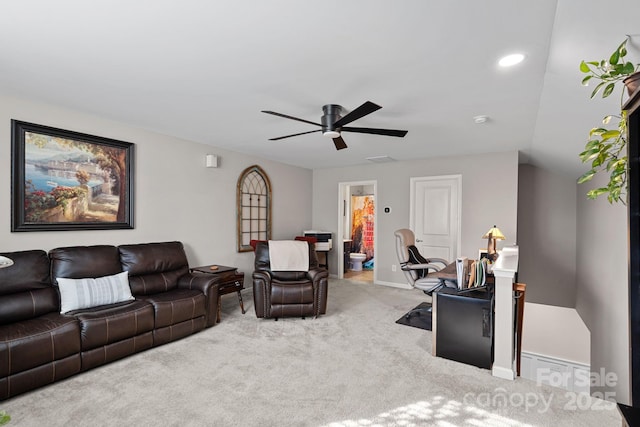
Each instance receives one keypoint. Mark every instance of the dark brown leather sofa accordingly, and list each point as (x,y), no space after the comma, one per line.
(288,293)
(38,345)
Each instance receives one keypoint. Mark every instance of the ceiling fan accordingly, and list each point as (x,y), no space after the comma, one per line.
(332,123)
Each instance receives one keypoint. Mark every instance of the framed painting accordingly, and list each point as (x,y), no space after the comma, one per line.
(64,180)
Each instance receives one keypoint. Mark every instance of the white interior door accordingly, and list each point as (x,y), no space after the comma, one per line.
(435,215)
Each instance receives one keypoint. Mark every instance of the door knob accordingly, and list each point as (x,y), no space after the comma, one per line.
(418,240)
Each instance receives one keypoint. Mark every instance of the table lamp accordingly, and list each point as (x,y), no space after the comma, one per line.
(492,235)
(5,262)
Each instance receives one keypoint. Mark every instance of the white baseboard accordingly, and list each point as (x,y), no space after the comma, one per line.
(393,284)
(565,374)
(504,373)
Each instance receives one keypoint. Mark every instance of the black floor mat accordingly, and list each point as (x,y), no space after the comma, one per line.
(420,320)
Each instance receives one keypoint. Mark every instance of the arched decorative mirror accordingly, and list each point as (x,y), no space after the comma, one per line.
(253,207)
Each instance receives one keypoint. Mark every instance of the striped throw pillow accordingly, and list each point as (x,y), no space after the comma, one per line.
(76,294)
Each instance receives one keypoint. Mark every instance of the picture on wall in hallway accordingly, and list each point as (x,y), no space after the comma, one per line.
(362,222)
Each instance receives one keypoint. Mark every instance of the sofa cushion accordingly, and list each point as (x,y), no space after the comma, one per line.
(25,287)
(177,305)
(108,324)
(89,292)
(291,292)
(77,262)
(37,341)
(153,267)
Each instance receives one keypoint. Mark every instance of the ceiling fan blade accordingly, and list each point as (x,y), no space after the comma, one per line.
(366,108)
(291,117)
(295,134)
(339,143)
(387,132)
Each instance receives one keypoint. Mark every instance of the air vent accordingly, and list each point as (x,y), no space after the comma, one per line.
(380,159)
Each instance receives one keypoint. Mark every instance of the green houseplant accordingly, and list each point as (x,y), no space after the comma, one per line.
(606,148)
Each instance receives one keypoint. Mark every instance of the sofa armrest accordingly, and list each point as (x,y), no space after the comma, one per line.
(208,285)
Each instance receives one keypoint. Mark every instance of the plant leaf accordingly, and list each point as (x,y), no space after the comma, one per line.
(592,194)
(597,131)
(597,88)
(584,67)
(622,49)
(587,176)
(587,155)
(610,134)
(585,81)
(627,69)
(615,56)
(591,144)
(607,90)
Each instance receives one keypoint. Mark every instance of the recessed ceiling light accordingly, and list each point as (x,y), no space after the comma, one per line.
(480,119)
(511,60)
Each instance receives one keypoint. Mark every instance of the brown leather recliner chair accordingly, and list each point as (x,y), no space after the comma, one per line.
(288,293)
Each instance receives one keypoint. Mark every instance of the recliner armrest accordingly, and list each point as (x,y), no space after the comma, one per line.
(317,274)
(262,275)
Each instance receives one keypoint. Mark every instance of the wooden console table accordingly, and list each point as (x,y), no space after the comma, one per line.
(230,281)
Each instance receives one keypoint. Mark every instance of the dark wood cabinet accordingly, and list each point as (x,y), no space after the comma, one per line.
(632,106)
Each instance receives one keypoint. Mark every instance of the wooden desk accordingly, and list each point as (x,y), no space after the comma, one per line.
(230,281)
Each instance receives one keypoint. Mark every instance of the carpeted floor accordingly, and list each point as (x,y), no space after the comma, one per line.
(353,367)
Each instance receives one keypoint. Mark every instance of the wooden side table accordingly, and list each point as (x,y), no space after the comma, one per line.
(230,281)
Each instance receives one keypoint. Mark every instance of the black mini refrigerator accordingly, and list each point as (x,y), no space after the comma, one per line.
(463,327)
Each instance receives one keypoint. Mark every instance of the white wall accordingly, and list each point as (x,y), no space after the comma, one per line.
(176,197)
(602,286)
(547,236)
(489,196)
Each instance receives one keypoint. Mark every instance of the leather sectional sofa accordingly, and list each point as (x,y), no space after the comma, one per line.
(39,345)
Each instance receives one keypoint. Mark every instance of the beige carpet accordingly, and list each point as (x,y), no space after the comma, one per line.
(353,367)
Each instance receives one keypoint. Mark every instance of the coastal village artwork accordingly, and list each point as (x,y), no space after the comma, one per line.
(71,181)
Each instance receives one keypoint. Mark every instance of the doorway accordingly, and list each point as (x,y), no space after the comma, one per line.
(357,230)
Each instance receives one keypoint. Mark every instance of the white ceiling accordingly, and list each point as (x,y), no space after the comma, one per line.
(203,70)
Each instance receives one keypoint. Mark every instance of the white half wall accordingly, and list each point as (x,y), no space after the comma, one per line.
(176,196)
(546,330)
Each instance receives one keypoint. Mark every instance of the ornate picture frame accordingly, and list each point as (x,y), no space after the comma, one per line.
(64,180)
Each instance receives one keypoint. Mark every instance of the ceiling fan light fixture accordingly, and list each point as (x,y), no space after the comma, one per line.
(331,134)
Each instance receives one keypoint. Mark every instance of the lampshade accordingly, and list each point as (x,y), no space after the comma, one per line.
(494,233)
(5,262)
